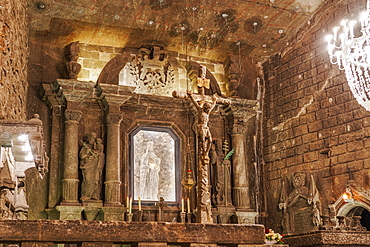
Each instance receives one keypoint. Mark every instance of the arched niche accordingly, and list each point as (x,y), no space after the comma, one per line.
(154,164)
(355,201)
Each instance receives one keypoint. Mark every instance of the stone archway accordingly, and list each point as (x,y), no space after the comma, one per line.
(357,210)
(354,202)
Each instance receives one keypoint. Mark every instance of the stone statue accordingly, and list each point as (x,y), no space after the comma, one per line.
(301,206)
(92,164)
(71,54)
(150,166)
(216,159)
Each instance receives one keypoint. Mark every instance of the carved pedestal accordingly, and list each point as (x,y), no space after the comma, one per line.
(112,214)
(67,212)
(246,217)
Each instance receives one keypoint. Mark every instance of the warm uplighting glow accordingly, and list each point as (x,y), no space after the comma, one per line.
(23,138)
(352,54)
(347,196)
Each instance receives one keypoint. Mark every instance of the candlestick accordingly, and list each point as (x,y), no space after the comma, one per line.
(129,217)
(139,203)
(140,216)
(188,201)
(182,216)
(182,205)
(189,217)
(130,207)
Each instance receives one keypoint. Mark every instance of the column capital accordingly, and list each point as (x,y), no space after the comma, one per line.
(238,129)
(73,115)
(114,118)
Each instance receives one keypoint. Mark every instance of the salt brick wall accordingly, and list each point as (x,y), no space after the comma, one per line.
(13,60)
(309,110)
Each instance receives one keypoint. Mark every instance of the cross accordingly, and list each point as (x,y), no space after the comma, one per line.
(204,104)
(160,206)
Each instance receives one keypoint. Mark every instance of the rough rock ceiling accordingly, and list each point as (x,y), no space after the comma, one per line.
(208,28)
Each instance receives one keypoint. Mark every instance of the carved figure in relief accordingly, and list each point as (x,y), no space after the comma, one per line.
(71,52)
(150,166)
(289,201)
(92,164)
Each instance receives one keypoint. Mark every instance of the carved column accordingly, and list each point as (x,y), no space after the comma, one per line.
(241,187)
(70,173)
(113,176)
(242,131)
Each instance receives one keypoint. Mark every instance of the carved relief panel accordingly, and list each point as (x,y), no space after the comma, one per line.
(150,72)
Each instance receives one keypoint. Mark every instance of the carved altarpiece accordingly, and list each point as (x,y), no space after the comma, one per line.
(111,110)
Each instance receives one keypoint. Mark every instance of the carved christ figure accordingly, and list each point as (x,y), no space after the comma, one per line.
(204,109)
(204,105)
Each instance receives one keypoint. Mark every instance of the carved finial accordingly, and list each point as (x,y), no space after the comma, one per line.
(71,52)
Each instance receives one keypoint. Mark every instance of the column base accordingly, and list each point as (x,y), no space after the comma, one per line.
(246,217)
(112,189)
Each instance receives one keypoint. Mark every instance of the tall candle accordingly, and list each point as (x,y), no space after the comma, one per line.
(130,208)
(182,205)
(127,202)
(139,203)
(188,201)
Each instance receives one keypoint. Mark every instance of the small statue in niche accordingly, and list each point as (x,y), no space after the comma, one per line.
(92,164)
(150,166)
(71,52)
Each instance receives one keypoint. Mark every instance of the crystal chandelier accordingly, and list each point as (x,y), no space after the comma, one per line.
(352,54)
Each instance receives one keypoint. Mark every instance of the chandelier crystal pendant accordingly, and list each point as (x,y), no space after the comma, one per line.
(352,54)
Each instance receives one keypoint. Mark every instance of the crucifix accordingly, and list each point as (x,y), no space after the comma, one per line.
(204,105)
(160,204)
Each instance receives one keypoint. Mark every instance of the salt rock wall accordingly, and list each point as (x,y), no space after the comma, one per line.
(13,60)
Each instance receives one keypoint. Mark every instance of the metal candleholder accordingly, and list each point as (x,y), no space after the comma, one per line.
(140,216)
(189,217)
(129,217)
(183,216)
